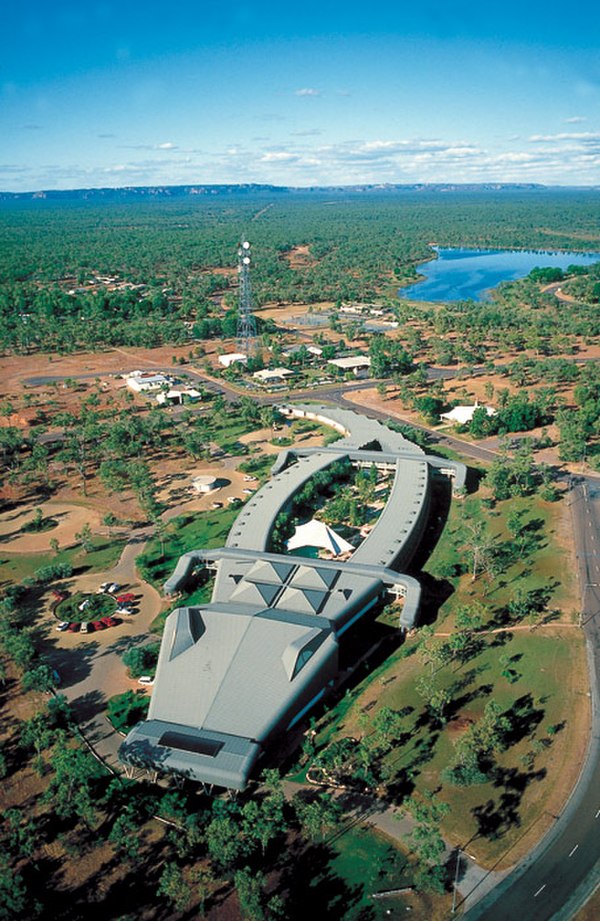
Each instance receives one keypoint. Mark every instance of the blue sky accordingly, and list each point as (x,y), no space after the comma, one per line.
(108,94)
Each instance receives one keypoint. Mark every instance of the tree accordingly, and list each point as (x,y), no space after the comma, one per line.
(427,840)
(479,547)
(85,538)
(40,678)
(225,844)
(20,834)
(316,815)
(141,660)
(250,889)
(14,898)
(71,787)
(173,886)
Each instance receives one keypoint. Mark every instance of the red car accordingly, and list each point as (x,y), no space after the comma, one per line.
(98,625)
(73,628)
(127,598)
(58,596)
(110,621)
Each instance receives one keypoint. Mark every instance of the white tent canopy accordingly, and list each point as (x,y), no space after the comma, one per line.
(317,534)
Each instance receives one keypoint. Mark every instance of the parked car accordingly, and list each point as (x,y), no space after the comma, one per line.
(113,587)
(58,596)
(73,628)
(85,626)
(124,611)
(98,625)
(84,604)
(217,505)
(109,621)
(63,625)
(127,598)
(104,588)
(249,479)
(248,492)
(146,679)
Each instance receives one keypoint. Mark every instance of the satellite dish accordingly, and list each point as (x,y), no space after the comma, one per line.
(245,245)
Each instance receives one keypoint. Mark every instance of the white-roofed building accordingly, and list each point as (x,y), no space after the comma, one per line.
(355,363)
(142,382)
(232,358)
(462,415)
(272,374)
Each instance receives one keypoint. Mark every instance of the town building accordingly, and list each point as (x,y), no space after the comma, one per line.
(462,415)
(231,359)
(237,673)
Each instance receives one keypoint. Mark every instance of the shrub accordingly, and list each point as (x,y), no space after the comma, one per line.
(125,710)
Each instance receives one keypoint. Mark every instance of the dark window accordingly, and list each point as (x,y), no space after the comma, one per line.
(194,744)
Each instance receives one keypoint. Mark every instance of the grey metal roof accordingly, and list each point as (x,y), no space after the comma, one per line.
(240,669)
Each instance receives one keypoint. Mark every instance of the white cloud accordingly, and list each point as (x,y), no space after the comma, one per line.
(167,145)
(565,136)
(307,91)
(278,156)
(575,120)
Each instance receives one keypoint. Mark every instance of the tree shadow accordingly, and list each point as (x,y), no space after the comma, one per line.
(89,705)
(73,665)
(495,819)
(313,888)
(524,717)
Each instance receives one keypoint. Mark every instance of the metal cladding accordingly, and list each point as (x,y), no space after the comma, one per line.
(236,672)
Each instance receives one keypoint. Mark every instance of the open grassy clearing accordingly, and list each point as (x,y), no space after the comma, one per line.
(368,863)
(104,555)
(531,665)
(186,532)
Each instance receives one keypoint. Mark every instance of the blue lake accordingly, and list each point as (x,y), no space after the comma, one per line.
(461,274)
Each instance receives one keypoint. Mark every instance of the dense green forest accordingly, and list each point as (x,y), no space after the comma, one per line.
(360,248)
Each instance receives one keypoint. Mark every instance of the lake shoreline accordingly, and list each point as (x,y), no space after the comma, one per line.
(461,273)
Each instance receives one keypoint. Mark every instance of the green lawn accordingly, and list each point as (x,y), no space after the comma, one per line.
(186,532)
(367,863)
(544,694)
(105,554)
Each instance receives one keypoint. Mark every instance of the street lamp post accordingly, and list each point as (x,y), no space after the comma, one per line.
(585,589)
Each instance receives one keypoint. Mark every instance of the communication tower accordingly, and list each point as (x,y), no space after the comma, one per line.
(246,330)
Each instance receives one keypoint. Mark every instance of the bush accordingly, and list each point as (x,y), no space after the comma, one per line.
(141,660)
(126,710)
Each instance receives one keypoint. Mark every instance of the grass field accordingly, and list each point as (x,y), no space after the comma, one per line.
(186,532)
(535,673)
(105,554)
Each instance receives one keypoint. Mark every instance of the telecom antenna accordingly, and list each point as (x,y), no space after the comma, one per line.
(246,330)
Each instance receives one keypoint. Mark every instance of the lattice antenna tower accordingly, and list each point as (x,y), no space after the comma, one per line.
(246,330)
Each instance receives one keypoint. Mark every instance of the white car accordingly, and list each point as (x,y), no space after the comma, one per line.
(62,625)
(249,479)
(85,626)
(248,492)
(146,679)
(103,588)
(113,587)
(84,604)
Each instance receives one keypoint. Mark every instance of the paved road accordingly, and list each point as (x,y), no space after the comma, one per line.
(561,873)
